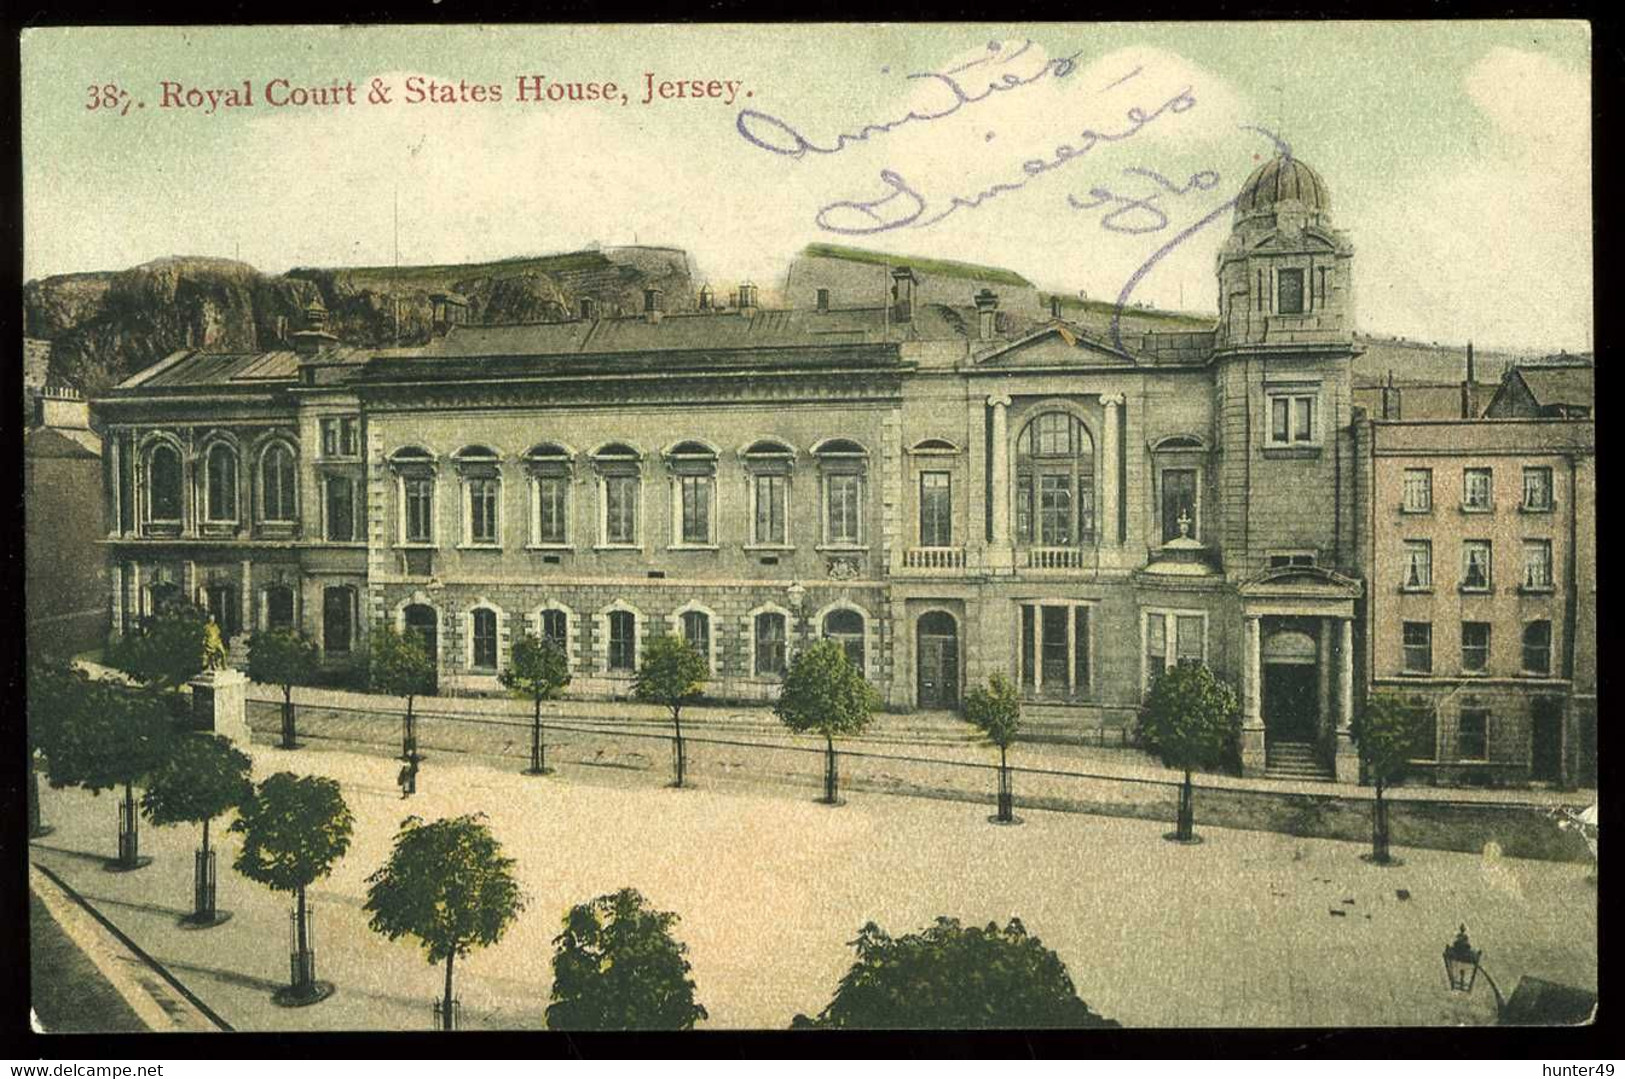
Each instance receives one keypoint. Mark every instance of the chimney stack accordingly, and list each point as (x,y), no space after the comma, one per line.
(747,300)
(1467,387)
(987,313)
(446,309)
(707,298)
(823,301)
(314,338)
(903,286)
(1055,308)
(589,309)
(651,305)
(62,407)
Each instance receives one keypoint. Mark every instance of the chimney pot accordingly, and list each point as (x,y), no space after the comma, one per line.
(904,284)
(747,300)
(707,298)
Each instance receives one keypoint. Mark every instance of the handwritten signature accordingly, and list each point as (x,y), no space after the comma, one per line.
(776,136)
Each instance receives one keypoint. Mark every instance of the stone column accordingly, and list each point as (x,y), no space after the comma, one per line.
(1252,694)
(115,440)
(1109,493)
(1323,672)
(137,597)
(1346,759)
(117,578)
(1071,650)
(247,598)
(999,466)
(189,581)
(1038,649)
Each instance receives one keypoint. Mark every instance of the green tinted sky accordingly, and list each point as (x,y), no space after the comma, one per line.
(1458,154)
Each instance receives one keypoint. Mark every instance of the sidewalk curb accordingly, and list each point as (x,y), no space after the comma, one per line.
(155,995)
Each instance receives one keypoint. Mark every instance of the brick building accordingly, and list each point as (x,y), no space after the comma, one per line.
(950,488)
(64,568)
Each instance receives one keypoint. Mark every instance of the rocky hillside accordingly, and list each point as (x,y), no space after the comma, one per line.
(104,327)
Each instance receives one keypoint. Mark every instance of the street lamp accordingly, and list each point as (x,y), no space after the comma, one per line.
(1462,968)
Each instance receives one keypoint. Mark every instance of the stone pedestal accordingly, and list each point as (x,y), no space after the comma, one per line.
(1346,759)
(220,704)
(1252,750)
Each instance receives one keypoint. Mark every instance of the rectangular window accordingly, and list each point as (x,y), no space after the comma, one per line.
(337,616)
(696,492)
(330,438)
(1024,508)
(482,510)
(1537,565)
(1473,735)
(552,498)
(1054,510)
(1476,484)
(1537,489)
(1475,646)
(1156,644)
(1418,566)
(936,510)
(1418,648)
(1426,745)
(621,509)
(1537,648)
(1189,633)
(622,641)
(1178,503)
(770,641)
(1291,559)
(340,517)
(770,498)
(349,443)
(1475,565)
(1291,289)
(844,502)
(485,640)
(1418,490)
(1292,419)
(419,509)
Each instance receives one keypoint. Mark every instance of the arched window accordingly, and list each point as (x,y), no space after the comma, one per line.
(220,483)
(620,493)
(164,484)
(843,465)
(555,627)
(771,640)
(483,643)
(481,472)
(277,484)
(1055,482)
(623,641)
(550,475)
(769,463)
(279,607)
(414,470)
(693,467)
(846,626)
(338,619)
(697,632)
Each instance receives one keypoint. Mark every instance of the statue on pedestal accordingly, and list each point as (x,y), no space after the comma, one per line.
(214,648)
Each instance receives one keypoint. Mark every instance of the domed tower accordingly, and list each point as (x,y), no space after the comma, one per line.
(1284,273)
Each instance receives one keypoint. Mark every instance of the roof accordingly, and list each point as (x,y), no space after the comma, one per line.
(61,443)
(1569,385)
(1280,178)
(198,367)
(942,267)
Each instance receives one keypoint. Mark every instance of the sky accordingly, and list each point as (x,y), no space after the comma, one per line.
(1092,158)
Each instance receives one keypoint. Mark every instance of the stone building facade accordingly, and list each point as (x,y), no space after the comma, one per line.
(950,488)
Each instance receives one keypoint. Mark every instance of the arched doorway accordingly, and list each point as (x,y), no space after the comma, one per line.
(1291,686)
(937,660)
(422,620)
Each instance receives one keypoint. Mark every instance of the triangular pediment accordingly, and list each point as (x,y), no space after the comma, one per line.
(1058,344)
(1307,240)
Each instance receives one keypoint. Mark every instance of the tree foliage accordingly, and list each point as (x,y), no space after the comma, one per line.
(995,709)
(448,884)
(1386,732)
(1191,719)
(105,735)
(617,967)
(538,669)
(202,777)
(823,693)
(951,977)
(281,657)
(165,652)
(294,828)
(398,663)
(57,696)
(673,673)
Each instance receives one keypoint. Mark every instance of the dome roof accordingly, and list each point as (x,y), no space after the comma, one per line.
(1279,179)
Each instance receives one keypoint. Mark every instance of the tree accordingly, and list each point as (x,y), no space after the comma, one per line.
(167,651)
(203,776)
(996,709)
(57,694)
(538,669)
(1386,732)
(823,693)
(294,828)
(1190,720)
(112,736)
(282,657)
(449,885)
(616,967)
(950,977)
(672,675)
(398,664)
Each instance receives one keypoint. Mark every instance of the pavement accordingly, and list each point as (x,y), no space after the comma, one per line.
(1245,929)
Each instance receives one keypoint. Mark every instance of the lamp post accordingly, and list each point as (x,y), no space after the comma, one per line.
(1462,968)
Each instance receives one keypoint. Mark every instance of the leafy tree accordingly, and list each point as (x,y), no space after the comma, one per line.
(449,885)
(616,967)
(1192,720)
(538,669)
(996,709)
(166,652)
(282,657)
(57,696)
(1386,732)
(950,977)
(201,778)
(294,828)
(112,736)
(672,675)
(823,693)
(400,665)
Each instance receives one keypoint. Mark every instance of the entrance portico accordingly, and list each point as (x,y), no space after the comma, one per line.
(1298,671)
